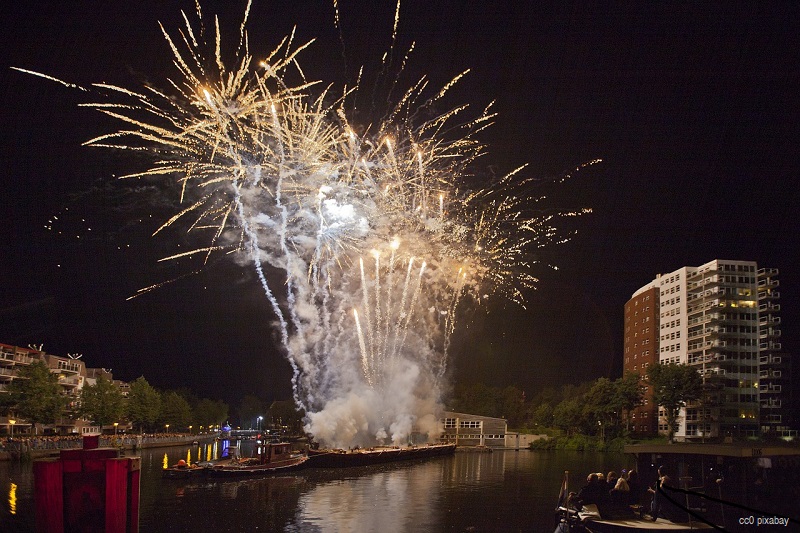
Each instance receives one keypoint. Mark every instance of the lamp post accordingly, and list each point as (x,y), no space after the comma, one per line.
(12,422)
(167,428)
(258,426)
(115,428)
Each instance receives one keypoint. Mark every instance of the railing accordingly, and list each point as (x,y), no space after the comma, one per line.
(39,443)
(776,346)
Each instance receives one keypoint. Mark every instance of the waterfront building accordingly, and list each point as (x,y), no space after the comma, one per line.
(73,375)
(721,318)
(464,429)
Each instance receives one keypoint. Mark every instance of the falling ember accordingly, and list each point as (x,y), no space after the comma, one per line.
(275,174)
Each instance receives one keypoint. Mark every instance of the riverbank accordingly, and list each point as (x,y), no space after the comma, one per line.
(30,448)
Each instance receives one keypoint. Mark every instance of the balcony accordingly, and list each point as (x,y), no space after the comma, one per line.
(69,382)
(771,404)
(65,367)
(769,320)
(703,319)
(771,346)
(767,282)
(768,388)
(768,294)
(769,360)
(762,272)
(768,307)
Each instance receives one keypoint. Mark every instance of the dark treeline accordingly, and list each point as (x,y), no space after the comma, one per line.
(592,408)
(597,409)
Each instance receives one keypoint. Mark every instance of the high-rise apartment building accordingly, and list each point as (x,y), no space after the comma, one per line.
(721,318)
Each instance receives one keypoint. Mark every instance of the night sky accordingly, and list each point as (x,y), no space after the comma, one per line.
(694,108)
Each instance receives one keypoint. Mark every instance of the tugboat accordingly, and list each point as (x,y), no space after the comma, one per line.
(274,457)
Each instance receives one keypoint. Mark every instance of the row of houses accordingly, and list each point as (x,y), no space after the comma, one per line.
(73,375)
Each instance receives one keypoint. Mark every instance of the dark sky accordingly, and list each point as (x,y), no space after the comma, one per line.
(693,107)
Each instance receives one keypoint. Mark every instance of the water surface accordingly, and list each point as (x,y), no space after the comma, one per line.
(500,491)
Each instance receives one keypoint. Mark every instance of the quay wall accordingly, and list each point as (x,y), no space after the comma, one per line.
(41,447)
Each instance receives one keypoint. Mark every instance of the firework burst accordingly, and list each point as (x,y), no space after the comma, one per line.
(376,229)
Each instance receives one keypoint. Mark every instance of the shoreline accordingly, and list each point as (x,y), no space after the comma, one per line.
(26,452)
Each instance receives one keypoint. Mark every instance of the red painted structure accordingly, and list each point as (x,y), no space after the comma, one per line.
(87,490)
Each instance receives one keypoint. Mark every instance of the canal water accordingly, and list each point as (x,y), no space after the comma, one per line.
(499,491)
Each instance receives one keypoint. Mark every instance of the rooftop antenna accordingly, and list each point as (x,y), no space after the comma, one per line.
(74,355)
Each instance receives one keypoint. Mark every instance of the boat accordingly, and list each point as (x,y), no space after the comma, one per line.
(733,482)
(588,520)
(274,457)
(574,517)
(337,458)
(183,470)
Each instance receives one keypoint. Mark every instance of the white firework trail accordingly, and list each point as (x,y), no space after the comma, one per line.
(272,171)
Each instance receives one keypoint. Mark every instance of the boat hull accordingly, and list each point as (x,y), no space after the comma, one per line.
(243,469)
(571,521)
(373,456)
(182,473)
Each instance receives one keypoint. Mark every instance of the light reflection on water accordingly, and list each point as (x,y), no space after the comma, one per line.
(500,491)
(396,500)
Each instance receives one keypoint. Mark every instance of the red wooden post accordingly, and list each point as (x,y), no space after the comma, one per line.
(134,472)
(48,483)
(87,490)
(116,495)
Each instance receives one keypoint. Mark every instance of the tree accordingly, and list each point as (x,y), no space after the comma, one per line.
(249,410)
(286,413)
(102,403)
(144,404)
(175,411)
(600,405)
(210,412)
(674,385)
(475,398)
(36,394)
(512,401)
(543,415)
(567,415)
(630,394)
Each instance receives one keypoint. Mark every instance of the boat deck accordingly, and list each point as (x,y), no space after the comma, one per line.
(640,524)
(591,522)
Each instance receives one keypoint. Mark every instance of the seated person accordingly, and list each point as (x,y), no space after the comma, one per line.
(619,501)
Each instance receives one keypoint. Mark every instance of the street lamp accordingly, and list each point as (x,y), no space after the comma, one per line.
(12,422)
(258,426)
(166,426)
(115,428)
